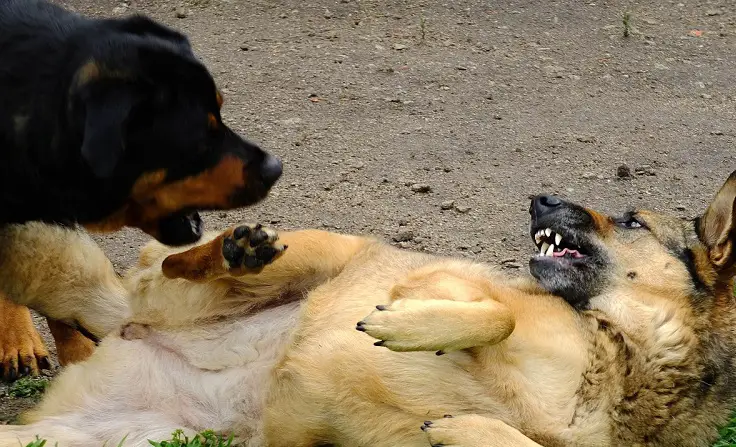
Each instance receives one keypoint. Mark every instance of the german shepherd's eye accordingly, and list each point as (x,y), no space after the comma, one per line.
(630,222)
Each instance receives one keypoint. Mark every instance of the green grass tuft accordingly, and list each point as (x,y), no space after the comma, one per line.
(28,387)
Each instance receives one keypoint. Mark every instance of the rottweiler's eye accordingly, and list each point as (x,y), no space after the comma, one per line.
(630,222)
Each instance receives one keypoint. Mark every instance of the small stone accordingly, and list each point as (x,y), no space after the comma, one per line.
(283,15)
(644,170)
(461,68)
(623,171)
(421,188)
(244,47)
(649,21)
(447,169)
(404,236)
(659,66)
(553,70)
(181,13)
(476,250)
(403,222)
(119,10)
(510,263)
(680,207)
(717,132)
(589,175)
(399,46)
(713,12)
(447,205)
(462,209)
(585,138)
(706,96)
(328,14)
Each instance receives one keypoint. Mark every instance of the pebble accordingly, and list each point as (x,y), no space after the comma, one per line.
(421,188)
(399,46)
(588,175)
(462,209)
(706,96)
(328,14)
(510,263)
(404,236)
(181,13)
(623,171)
(680,208)
(447,205)
(713,12)
(585,138)
(644,170)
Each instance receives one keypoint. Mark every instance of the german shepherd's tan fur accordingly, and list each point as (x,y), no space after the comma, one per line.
(634,346)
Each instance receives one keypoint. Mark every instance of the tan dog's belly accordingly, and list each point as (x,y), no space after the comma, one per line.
(358,394)
(209,377)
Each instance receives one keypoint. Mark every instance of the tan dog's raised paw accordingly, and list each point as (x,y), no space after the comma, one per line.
(238,251)
(250,247)
(473,430)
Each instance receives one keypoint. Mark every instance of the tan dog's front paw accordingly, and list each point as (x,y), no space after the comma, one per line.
(410,325)
(437,325)
(473,430)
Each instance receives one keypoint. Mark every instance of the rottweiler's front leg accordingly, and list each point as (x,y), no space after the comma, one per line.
(22,352)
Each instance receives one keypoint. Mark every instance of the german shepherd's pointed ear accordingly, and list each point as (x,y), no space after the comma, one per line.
(717,227)
(107,106)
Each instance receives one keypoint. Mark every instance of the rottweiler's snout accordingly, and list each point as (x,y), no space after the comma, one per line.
(270,170)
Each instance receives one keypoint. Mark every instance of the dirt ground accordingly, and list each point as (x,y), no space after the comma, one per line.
(430,123)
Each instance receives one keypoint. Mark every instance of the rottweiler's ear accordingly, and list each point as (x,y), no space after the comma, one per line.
(717,226)
(106,111)
(142,26)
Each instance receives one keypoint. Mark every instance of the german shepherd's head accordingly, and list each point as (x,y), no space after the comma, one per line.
(603,262)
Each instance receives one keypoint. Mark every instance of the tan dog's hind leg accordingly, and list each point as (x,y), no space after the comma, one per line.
(445,306)
(474,431)
(22,351)
(71,345)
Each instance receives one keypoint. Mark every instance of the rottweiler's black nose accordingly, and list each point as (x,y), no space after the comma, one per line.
(542,205)
(270,169)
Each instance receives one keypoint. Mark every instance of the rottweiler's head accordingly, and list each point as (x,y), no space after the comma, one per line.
(148,116)
(634,260)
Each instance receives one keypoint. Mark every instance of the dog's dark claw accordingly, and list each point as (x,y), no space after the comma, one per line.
(12,373)
(44,363)
(360,326)
(25,371)
(447,416)
(440,352)
(381,307)
(379,343)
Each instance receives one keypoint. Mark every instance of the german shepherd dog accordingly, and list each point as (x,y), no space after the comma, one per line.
(108,123)
(624,336)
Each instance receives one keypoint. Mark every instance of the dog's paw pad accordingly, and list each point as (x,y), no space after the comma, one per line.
(251,247)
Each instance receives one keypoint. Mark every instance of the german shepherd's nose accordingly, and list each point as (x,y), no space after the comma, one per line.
(542,205)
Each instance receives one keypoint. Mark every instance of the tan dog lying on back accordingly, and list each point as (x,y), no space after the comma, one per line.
(635,345)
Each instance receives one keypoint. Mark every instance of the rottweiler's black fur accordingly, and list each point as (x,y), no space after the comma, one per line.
(89,107)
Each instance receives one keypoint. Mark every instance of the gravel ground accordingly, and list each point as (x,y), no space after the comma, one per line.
(430,123)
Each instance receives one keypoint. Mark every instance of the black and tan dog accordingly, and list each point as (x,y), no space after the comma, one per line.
(109,123)
(626,336)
